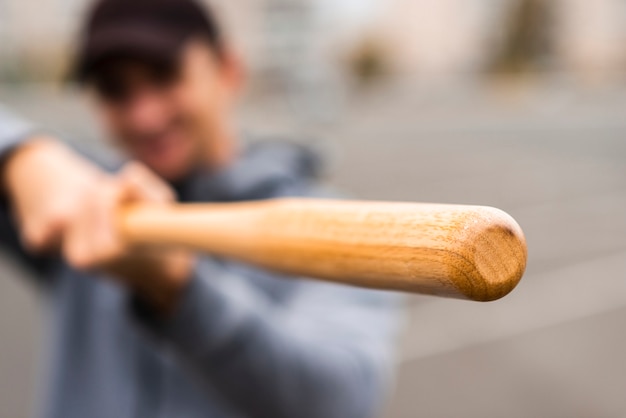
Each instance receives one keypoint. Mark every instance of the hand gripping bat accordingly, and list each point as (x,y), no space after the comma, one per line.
(467,252)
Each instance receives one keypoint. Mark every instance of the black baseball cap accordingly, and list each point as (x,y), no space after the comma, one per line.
(151,30)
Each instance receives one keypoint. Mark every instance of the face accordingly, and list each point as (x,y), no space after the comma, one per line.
(171,119)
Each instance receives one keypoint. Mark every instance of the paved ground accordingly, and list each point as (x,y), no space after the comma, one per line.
(555,158)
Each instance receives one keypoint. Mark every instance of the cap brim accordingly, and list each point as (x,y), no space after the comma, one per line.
(132,42)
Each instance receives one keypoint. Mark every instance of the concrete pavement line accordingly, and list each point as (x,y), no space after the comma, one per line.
(543,300)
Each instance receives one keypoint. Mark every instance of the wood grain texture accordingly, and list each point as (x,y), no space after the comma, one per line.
(467,252)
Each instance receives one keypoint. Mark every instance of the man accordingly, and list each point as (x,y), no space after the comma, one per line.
(165,332)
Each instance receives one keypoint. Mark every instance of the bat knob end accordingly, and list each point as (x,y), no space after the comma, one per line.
(495,248)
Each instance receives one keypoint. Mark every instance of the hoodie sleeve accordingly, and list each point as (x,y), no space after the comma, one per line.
(15,131)
(327,352)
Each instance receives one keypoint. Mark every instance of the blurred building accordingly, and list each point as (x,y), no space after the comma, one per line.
(35,34)
(592,36)
(429,38)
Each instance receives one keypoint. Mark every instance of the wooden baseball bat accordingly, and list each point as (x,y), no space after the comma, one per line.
(467,252)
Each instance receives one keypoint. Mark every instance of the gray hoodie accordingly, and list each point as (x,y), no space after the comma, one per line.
(242,343)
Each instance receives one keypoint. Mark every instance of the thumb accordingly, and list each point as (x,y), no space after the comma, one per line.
(141,184)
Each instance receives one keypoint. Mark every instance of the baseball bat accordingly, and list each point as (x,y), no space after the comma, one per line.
(467,252)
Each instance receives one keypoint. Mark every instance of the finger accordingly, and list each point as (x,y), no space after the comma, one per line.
(76,249)
(92,240)
(42,230)
(39,238)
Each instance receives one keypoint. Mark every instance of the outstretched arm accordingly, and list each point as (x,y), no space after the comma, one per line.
(54,203)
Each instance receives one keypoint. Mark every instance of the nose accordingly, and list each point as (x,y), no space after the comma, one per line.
(146,110)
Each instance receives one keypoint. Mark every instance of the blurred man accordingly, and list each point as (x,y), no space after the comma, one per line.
(164,332)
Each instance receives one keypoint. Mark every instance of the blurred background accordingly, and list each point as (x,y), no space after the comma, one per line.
(518,104)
